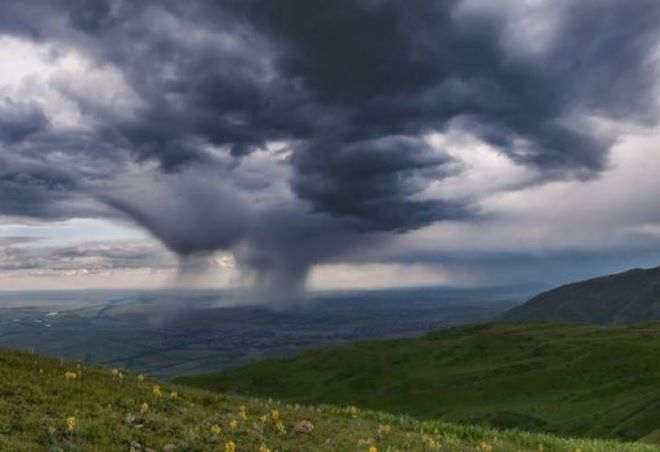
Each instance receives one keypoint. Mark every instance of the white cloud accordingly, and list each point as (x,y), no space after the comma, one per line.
(60,80)
(613,210)
(483,168)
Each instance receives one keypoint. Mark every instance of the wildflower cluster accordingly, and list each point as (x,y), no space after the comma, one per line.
(432,443)
(117,374)
(71,423)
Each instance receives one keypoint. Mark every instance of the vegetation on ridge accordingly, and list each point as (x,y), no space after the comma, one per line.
(629,297)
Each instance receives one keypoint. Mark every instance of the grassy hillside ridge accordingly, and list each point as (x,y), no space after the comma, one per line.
(567,379)
(629,297)
(48,404)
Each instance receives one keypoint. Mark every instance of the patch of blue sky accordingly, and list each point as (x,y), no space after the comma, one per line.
(74,230)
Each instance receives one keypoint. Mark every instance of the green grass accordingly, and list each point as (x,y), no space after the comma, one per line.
(572,380)
(36,399)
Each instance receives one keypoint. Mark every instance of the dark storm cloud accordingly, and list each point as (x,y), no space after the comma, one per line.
(407,67)
(352,85)
(19,121)
(372,180)
(220,220)
(32,190)
(343,76)
(346,73)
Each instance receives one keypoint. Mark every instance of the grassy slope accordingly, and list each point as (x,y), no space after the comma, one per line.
(567,379)
(36,399)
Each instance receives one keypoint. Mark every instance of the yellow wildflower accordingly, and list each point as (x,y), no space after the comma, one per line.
(242,411)
(144,407)
(157,392)
(353,411)
(275,415)
(264,448)
(485,447)
(70,375)
(373,448)
(174,395)
(230,446)
(216,429)
(71,423)
(384,429)
(263,418)
(280,427)
(233,424)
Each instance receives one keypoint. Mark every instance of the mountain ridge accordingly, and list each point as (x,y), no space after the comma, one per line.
(631,296)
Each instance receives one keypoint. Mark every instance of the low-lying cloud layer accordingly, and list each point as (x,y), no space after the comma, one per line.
(293,134)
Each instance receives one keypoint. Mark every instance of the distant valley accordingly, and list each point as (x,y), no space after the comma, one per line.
(167,334)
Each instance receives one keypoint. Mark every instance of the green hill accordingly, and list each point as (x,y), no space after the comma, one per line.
(629,297)
(52,405)
(566,379)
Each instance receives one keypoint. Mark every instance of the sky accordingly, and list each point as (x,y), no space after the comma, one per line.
(286,146)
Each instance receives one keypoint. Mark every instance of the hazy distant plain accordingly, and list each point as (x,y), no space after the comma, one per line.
(172,333)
